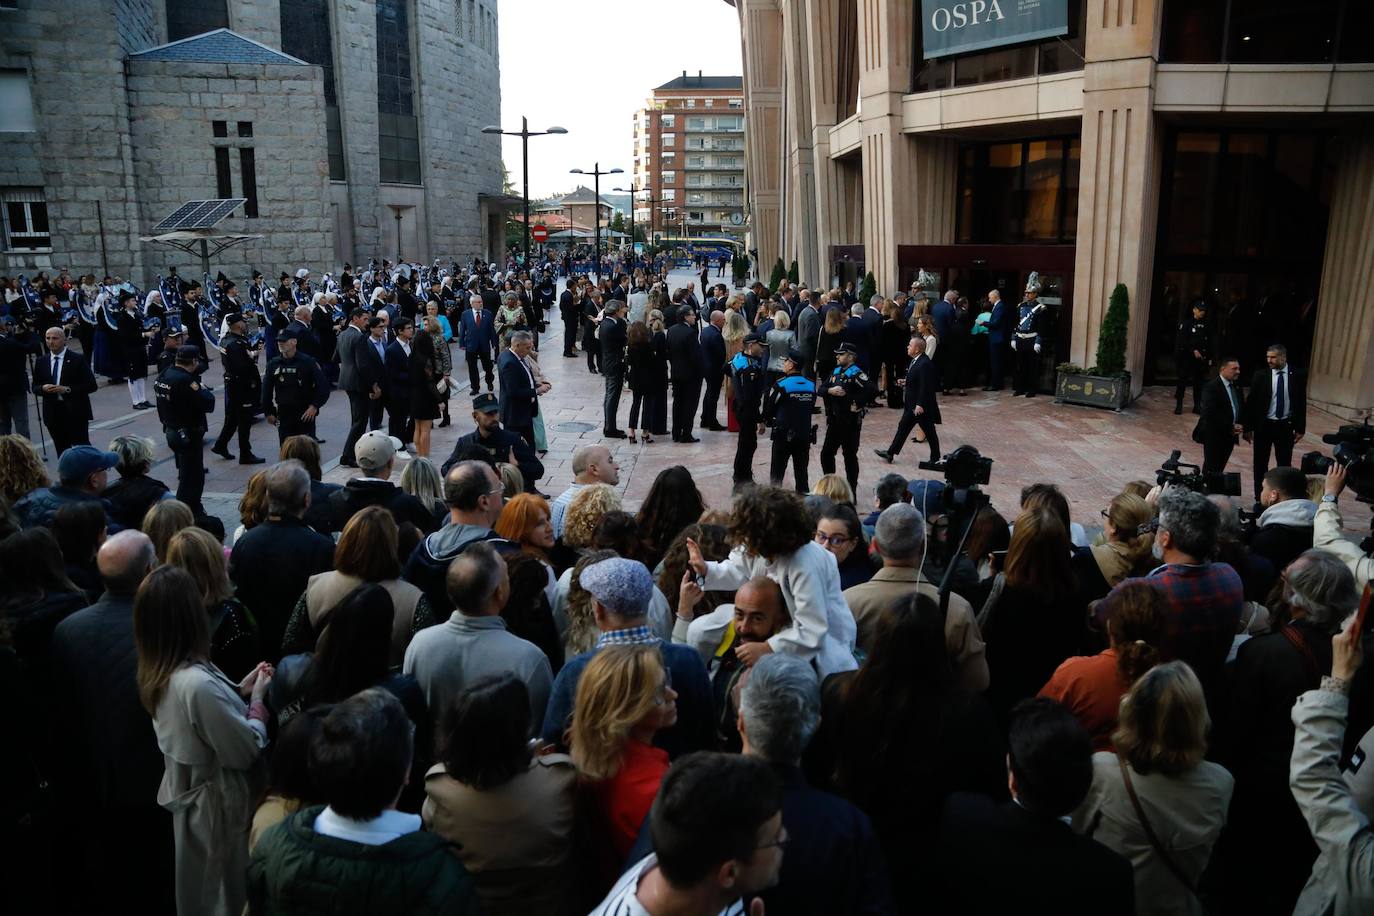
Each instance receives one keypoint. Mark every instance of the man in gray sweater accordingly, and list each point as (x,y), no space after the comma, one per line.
(474,642)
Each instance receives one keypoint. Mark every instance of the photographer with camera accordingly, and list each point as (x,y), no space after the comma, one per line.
(1326,528)
(1284,529)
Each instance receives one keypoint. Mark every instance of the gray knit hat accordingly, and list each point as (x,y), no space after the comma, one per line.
(623,586)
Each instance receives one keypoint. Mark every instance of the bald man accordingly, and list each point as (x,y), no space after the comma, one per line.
(591,464)
(123,852)
(64,381)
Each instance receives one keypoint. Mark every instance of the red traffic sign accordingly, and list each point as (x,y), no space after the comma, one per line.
(539,233)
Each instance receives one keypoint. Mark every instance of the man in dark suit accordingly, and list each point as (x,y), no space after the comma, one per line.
(306,341)
(1020,856)
(1220,425)
(612,334)
(477,337)
(919,407)
(66,384)
(570,310)
(15,347)
(942,314)
(399,385)
(687,369)
(713,352)
(351,380)
(1275,412)
(873,320)
(997,340)
(519,393)
(858,332)
(326,334)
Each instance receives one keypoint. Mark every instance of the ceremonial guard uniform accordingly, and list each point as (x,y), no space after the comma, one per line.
(295,383)
(1193,350)
(1027,340)
(182,404)
(787,408)
(242,392)
(845,413)
(748,386)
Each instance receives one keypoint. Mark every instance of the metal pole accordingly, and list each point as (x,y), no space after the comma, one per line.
(398,238)
(525,157)
(632,227)
(204,258)
(596,215)
(104,256)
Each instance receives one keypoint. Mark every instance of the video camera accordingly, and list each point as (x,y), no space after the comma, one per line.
(1176,473)
(963,468)
(1353,443)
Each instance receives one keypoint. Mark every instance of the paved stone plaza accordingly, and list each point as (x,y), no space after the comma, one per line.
(1088,452)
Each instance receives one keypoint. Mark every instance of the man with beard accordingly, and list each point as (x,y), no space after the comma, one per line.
(758,613)
(500,445)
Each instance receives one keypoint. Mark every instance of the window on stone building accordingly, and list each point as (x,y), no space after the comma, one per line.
(305,33)
(195,17)
(248,174)
(219,128)
(223,181)
(245,128)
(16,102)
(398,130)
(26,220)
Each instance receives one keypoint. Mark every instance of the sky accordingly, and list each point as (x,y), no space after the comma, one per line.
(589,65)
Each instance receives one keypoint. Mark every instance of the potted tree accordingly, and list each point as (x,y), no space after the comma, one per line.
(1106,384)
(739,269)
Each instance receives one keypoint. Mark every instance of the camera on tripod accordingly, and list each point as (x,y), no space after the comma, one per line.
(963,468)
(1353,443)
(1177,473)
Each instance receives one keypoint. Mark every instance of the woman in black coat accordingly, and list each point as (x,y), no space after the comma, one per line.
(831,336)
(893,337)
(647,364)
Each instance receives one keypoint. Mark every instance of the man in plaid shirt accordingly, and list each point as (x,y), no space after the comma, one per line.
(1205,598)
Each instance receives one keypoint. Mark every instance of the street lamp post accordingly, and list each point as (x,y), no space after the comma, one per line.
(596,174)
(524,133)
(632,191)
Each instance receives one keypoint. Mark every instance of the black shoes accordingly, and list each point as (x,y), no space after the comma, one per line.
(1178,410)
(252,459)
(613,433)
(687,440)
(713,427)
(223,452)
(347,464)
(1030,394)
(143,405)
(886,456)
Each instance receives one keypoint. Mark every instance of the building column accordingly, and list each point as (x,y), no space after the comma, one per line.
(885,44)
(761,32)
(800,218)
(821,20)
(259,20)
(1118,202)
(1341,373)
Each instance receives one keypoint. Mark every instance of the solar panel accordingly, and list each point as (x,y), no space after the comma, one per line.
(199,214)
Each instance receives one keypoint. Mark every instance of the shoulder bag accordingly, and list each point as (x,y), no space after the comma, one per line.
(1150,835)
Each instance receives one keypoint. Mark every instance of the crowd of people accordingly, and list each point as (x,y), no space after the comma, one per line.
(450,692)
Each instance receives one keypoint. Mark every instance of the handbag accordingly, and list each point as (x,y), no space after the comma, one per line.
(1158,847)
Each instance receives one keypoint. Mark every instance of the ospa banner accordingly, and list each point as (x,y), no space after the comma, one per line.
(956,26)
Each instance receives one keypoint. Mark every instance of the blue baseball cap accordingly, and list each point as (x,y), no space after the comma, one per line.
(81,461)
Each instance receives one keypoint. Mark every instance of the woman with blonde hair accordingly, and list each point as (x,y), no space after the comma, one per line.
(434,327)
(234,644)
(366,552)
(584,514)
(624,697)
(1125,550)
(211,731)
(421,479)
(21,468)
(164,519)
(835,488)
(1155,800)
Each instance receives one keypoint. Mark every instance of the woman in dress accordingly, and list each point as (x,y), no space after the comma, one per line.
(660,337)
(510,317)
(644,370)
(211,732)
(426,373)
(436,326)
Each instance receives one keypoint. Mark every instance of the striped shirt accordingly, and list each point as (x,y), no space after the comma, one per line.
(621,901)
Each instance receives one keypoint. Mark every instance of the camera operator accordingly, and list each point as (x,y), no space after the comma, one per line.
(1284,529)
(1326,529)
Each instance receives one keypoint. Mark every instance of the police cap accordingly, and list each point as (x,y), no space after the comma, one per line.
(233,318)
(753,338)
(846,348)
(795,356)
(187,354)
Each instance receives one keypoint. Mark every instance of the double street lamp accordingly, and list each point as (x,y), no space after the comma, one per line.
(524,133)
(633,192)
(596,173)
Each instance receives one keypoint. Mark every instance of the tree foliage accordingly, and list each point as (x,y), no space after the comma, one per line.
(1111,341)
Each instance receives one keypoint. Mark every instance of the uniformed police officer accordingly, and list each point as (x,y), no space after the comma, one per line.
(293,391)
(847,391)
(1027,340)
(787,408)
(182,403)
(1193,351)
(748,386)
(242,391)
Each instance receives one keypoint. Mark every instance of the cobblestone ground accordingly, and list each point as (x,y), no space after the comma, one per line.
(1087,451)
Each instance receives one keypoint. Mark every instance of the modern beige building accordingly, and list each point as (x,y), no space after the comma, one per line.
(1220,150)
(689,157)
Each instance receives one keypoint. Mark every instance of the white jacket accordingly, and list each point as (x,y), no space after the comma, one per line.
(823,628)
(1327,535)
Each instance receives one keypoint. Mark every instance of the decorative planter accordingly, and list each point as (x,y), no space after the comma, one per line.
(1092,390)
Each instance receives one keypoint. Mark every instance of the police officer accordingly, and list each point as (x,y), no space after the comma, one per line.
(182,403)
(749,384)
(295,383)
(1193,350)
(499,445)
(1027,339)
(847,391)
(242,391)
(787,408)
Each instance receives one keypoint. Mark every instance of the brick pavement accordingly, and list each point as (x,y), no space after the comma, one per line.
(1089,452)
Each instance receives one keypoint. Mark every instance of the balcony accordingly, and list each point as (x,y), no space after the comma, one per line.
(711,166)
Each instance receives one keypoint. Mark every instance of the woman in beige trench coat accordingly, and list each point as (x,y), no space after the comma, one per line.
(211,741)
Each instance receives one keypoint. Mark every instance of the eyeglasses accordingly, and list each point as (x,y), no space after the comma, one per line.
(834,540)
